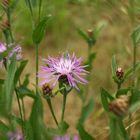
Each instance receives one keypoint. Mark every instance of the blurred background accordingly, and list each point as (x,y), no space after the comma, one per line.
(118,17)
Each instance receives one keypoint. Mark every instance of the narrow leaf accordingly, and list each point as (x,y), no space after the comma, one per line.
(105,96)
(20,70)
(86,111)
(83,134)
(9,83)
(114,66)
(39,31)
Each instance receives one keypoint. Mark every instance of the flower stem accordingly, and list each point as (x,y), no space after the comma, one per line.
(36,69)
(51,109)
(64,106)
(20,110)
(23,109)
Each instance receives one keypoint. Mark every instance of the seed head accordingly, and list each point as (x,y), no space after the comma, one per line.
(120,105)
(119,73)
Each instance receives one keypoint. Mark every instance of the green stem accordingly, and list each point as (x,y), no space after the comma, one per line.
(64,106)
(36,69)
(9,21)
(23,109)
(20,110)
(52,111)
(119,86)
(39,11)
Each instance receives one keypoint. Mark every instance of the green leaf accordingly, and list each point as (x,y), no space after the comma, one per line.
(20,70)
(123,132)
(82,34)
(24,91)
(36,119)
(29,4)
(26,80)
(117,129)
(63,126)
(114,66)
(98,30)
(131,70)
(122,92)
(28,130)
(86,111)
(136,36)
(105,96)
(83,134)
(114,135)
(135,96)
(39,31)
(3,127)
(9,84)
(1,81)
(138,137)
(5,53)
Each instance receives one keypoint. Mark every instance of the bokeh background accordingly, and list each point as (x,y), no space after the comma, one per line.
(118,17)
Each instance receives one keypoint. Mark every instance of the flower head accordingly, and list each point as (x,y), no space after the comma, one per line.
(14,49)
(64,69)
(15,135)
(66,137)
(18,52)
(119,73)
(2,47)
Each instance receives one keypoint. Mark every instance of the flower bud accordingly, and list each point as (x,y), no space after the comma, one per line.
(120,105)
(119,73)
(47,90)
(90,32)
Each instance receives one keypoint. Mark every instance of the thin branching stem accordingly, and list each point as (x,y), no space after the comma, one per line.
(52,111)
(63,107)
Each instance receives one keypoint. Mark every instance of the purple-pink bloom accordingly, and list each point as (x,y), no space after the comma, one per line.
(2,49)
(66,137)
(66,66)
(18,51)
(15,135)
(14,49)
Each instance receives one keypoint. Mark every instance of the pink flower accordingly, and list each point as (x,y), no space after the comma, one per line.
(2,49)
(66,137)
(15,135)
(15,49)
(66,68)
(18,51)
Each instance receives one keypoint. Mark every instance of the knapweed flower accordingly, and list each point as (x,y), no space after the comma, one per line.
(2,49)
(64,68)
(14,49)
(15,135)
(66,137)
(47,90)
(18,52)
(119,73)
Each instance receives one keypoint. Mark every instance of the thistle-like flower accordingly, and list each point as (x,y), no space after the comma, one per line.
(66,137)
(18,51)
(15,49)
(15,135)
(2,49)
(66,69)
